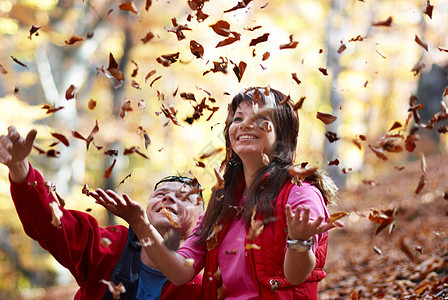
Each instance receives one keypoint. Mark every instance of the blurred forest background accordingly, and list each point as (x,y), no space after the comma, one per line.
(156,78)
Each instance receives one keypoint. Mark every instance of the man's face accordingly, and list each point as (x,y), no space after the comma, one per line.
(183,211)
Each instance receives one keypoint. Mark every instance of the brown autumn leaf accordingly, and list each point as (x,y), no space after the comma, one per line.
(85,190)
(395,126)
(334,162)
(73,39)
(221,28)
(337,215)
(129,6)
(19,62)
(92,104)
(291,45)
(219,179)
(239,70)
(212,240)
(149,36)
(61,138)
(56,214)
(421,43)
(342,48)
(89,139)
(141,105)
(442,49)
(167,59)
(331,136)
(70,92)
(429,8)
(135,71)
(154,80)
(211,153)
(296,79)
(383,218)
(240,5)
(33,30)
(422,162)
(108,171)
(200,164)
(177,29)
(3,70)
(196,49)
(148,4)
(150,73)
(299,103)
(116,290)
(230,40)
(169,217)
(260,39)
(327,119)
(265,56)
(219,66)
(170,113)
(323,71)
(134,149)
(50,109)
(113,69)
(125,107)
(385,23)
(421,184)
(123,180)
(378,151)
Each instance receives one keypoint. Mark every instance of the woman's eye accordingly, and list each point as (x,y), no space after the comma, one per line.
(237,120)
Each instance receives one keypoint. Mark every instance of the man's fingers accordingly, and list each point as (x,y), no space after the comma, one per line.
(30,137)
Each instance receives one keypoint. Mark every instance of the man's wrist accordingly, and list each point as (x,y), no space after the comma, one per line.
(19,171)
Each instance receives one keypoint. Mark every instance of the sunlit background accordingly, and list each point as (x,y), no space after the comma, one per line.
(367,86)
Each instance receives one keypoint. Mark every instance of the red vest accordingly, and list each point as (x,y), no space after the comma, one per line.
(266,265)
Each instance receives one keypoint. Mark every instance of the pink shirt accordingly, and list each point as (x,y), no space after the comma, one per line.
(234,271)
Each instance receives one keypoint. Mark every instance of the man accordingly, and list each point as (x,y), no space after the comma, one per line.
(106,262)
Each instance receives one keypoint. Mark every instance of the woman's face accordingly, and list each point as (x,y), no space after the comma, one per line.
(249,141)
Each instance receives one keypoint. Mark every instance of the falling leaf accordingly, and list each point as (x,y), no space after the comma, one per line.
(113,69)
(230,40)
(89,139)
(108,171)
(73,39)
(149,36)
(134,149)
(239,70)
(331,136)
(177,29)
(167,59)
(92,104)
(211,153)
(222,28)
(61,138)
(56,214)
(386,23)
(150,73)
(170,113)
(252,28)
(421,43)
(196,49)
(299,103)
(33,30)
(259,39)
(326,118)
(105,242)
(155,79)
(377,250)
(220,180)
(422,162)
(265,56)
(169,217)
(442,49)
(212,240)
(19,62)
(135,71)
(125,107)
(85,190)
(378,151)
(291,45)
(129,6)
(342,48)
(429,8)
(252,247)
(346,170)
(70,92)
(148,4)
(219,66)
(200,164)
(141,105)
(3,70)
(334,162)
(240,5)
(421,184)
(323,71)
(296,79)
(395,126)
(116,290)
(123,180)
(336,216)
(406,249)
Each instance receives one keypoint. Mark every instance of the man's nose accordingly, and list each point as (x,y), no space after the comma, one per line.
(169,197)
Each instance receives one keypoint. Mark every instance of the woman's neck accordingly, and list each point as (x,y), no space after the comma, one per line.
(250,169)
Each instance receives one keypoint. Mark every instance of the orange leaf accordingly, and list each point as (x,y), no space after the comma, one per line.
(326,118)
(129,6)
(108,172)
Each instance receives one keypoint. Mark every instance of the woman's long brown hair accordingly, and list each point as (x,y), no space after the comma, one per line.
(269,180)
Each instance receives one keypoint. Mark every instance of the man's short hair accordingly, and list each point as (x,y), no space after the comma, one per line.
(192,182)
